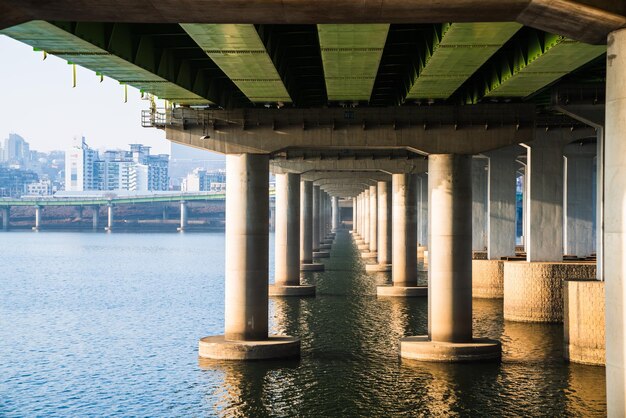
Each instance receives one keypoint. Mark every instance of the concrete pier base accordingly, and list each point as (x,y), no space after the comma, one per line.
(402,291)
(533,292)
(378,267)
(275,347)
(363,247)
(488,279)
(326,246)
(583,322)
(311,267)
(369,255)
(299,290)
(321,254)
(422,349)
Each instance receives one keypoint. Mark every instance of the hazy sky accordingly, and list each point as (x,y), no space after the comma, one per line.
(38,102)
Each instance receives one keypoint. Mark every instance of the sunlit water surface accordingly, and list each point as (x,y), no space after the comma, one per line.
(108,324)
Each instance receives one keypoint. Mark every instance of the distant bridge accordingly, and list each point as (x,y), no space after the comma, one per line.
(108,200)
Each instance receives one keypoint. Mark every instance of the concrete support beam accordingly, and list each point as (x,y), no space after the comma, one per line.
(404,239)
(183,216)
(479,203)
(110,218)
(544,200)
(306,228)
(355,214)
(306,222)
(384,222)
(578,208)
(584,20)
(615,225)
(336,213)
(422,210)
(95,217)
(384,245)
(246,296)
(366,217)
(317,209)
(6,218)
(373,219)
(450,268)
(38,214)
(287,239)
(501,203)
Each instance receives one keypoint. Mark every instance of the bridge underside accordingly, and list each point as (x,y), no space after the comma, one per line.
(415,110)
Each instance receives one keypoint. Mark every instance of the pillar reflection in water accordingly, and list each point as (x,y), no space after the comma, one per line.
(252,389)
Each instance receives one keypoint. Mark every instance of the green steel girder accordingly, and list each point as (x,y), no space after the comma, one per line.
(239,52)
(453,53)
(529,62)
(107,50)
(160,59)
(351,55)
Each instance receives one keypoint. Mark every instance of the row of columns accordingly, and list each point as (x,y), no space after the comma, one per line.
(450,233)
(304,215)
(6,214)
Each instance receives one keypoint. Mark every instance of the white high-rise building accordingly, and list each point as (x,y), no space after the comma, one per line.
(80,162)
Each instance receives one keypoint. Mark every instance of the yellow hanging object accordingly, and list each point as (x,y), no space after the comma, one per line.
(74,75)
(125,93)
(101,78)
(45,55)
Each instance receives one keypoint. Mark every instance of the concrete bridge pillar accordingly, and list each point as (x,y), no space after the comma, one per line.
(287,239)
(317,208)
(183,216)
(384,223)
(164,212)
(450,268)
(373,220)
(359,220)
(614,267)
(38,214)
(422,210)
(6,218)
(384,228)
(501,204)
(544,187)
(354,214)
(366,218)
(95,217)
(306,228)
(479,204)
(110,218)
(335,214)
(404,239)
(246,282)
(579,203)
(488,274)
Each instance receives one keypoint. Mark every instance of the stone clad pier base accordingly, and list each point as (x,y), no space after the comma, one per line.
(533,291)
(488,279)
(584,322)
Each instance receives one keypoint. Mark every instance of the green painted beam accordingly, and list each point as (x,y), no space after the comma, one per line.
(351,55)
(239,52)
(56,41)
(548,58)
(457,50)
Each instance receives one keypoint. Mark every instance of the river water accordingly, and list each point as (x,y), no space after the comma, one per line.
(95,324)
